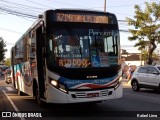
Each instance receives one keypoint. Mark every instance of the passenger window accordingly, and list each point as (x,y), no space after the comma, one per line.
(151,70)
(142,70)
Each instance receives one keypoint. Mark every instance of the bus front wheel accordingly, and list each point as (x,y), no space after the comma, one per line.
(38,99)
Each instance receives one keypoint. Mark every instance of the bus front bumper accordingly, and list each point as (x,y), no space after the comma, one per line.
(57,96)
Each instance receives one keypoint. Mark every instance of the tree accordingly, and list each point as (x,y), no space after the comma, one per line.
(8,62)
(2,49)
(147,24)
(145,56)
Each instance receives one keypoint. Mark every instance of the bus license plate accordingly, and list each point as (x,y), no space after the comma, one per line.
(90,95)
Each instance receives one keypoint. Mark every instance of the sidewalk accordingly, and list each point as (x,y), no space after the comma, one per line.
(2,81)
(126,83)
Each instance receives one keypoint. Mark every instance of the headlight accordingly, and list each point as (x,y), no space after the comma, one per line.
(58,85)
(54,83)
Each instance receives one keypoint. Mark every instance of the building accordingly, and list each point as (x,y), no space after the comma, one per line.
(132,58)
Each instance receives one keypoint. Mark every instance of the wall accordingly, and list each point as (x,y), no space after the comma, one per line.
(137,63)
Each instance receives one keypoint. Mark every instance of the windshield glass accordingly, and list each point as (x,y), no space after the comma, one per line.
(158,68)
(80,48)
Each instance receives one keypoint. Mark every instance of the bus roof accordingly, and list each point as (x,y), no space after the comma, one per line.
(81,10)
(39,18)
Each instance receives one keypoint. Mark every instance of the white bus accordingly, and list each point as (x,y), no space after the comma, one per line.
(69,56)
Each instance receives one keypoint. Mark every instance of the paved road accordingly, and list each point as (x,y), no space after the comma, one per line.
(126,108)
(5,104)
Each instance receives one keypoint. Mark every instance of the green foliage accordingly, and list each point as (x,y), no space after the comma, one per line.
(146,23)
(145,55)
(2,49)
(141,44)
(8,62)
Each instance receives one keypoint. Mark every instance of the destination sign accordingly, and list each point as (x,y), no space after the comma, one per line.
(68,17)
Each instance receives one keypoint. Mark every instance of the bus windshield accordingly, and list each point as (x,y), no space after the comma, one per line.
(81,47)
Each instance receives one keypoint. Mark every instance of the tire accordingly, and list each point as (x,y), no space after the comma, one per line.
(158,89)
(135,86)
(38,99)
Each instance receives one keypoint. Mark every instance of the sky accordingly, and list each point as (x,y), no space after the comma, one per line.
(18,15)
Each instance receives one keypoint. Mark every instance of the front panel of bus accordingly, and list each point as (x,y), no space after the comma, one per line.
(82,62)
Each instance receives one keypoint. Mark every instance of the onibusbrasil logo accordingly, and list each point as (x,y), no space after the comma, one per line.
(21,114)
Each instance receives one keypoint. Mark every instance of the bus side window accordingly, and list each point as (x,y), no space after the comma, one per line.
(19,52)
(32,49)
(26,49)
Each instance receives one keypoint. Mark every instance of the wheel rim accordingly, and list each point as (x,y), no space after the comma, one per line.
(134,86)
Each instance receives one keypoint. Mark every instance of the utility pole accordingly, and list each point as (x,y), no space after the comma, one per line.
(104,5)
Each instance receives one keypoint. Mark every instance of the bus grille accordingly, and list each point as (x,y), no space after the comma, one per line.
(86,94)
